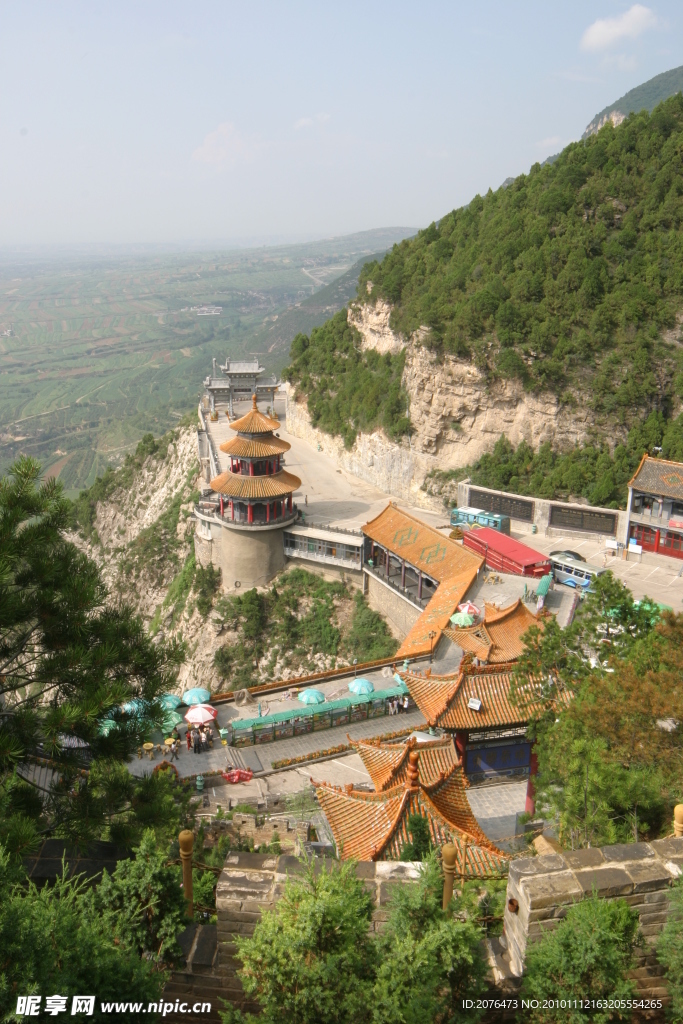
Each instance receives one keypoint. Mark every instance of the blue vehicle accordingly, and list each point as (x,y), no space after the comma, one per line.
(478,517)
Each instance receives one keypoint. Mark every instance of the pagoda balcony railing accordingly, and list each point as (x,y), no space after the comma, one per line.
(210,511)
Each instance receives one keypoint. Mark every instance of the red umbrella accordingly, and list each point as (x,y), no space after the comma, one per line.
(200,714)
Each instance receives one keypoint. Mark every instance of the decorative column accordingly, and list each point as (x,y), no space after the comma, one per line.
(448,855)
(403,574)
(221,505)
(186,842)
(251,469)
(250,513)
(267,511)
(419,585)
(387,564)
(232,510)
(289,503)
(461,745)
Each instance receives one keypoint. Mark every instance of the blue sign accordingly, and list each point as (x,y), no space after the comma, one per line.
(512,756)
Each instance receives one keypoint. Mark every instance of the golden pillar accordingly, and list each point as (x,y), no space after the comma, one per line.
(448,855)
(678,820)
(186,841)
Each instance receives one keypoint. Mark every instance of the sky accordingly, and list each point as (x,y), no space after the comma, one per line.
(209,122)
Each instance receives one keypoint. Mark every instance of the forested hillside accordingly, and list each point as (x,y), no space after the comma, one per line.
(568,279)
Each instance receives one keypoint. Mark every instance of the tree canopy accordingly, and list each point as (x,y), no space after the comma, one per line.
(567,277)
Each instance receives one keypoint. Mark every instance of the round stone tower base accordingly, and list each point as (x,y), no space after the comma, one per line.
(250,555)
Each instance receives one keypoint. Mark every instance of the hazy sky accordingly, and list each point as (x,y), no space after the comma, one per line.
(205,121)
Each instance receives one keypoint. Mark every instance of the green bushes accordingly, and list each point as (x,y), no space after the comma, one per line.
(589,472)
(348,390)
(587,956)
(303,615)
(314,960)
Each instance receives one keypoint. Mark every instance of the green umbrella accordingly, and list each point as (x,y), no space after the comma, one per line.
(169,701)
(171,720)
(106,727)
(361,686)
(462,619)
(312,697)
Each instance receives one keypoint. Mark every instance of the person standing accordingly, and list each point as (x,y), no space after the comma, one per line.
(196,740)
(188,737)
(174,750)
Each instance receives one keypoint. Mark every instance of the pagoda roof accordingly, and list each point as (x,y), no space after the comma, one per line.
(444,700)
(259,488)
(255,422)
(250,448)
(659,476)
(387,763)
(437,615)
(374,826)
(411,540)
(499,638)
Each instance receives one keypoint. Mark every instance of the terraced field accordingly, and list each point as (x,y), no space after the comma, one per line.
(97,349)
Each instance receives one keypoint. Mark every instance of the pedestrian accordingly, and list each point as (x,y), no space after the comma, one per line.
(405,703)
(196,740)
(188,737)
(174,750)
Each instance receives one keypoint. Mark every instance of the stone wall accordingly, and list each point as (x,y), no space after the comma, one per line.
(400,614)
(253,882)
(544,887)
(542,513)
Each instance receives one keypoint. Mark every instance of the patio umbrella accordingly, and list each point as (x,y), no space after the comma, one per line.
(170,701)
(106,726)
(133,707)
(311,697)
(461,619)
(468,608)
(201,714)
(171,720)
(361,686)
(196,695)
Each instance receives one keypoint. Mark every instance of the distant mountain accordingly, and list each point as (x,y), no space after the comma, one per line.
(643,97)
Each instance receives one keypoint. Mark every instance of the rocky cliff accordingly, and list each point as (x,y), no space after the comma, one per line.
(457,414)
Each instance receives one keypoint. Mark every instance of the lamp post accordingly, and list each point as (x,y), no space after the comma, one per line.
(431,635)
(448,855)
(355,662)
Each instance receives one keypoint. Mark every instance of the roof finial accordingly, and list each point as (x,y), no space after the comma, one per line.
(253,403)
(412,772)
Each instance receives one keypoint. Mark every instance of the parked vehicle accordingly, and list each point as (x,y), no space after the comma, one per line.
(573,573)
(478,517)
(574,555)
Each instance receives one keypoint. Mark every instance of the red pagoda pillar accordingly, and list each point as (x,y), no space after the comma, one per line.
(250,513)
(232,510)
(267,511)
(221,505)
(251,469)
(289,503)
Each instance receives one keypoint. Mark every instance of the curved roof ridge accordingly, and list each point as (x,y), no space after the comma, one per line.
(492,613)
(236,485)
(255,422)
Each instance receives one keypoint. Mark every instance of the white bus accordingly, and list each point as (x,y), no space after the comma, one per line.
(572,572)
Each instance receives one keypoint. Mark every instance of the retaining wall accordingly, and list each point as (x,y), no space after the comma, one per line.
(544,887)
(400,613)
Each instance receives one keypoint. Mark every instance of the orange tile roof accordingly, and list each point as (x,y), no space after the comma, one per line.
(374,826)
(255,422)
(443,700)
(235,485)
(437,614)
(248,448)
(422,546)
(499,638)
(387,763)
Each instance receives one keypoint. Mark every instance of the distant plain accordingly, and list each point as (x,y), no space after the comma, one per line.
(97,348)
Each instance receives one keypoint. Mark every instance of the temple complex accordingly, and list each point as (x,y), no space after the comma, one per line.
(255,503)
(410,778)
(238,379)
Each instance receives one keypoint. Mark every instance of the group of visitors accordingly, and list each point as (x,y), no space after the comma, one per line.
(398,704)
(199,738)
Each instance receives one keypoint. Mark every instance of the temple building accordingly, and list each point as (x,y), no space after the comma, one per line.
(655,507)
(410,778)
(499,637)
(238,379)
(476,706)
(254,504)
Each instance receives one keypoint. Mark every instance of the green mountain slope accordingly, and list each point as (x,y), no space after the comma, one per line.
(643,97)
(569,278)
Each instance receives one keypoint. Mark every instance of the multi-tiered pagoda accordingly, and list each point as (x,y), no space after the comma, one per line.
(256,489)
(245,539)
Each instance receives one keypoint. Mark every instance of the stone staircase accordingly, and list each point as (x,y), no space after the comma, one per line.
(198,981)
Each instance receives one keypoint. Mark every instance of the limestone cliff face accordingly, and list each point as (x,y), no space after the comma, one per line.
(456,414)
